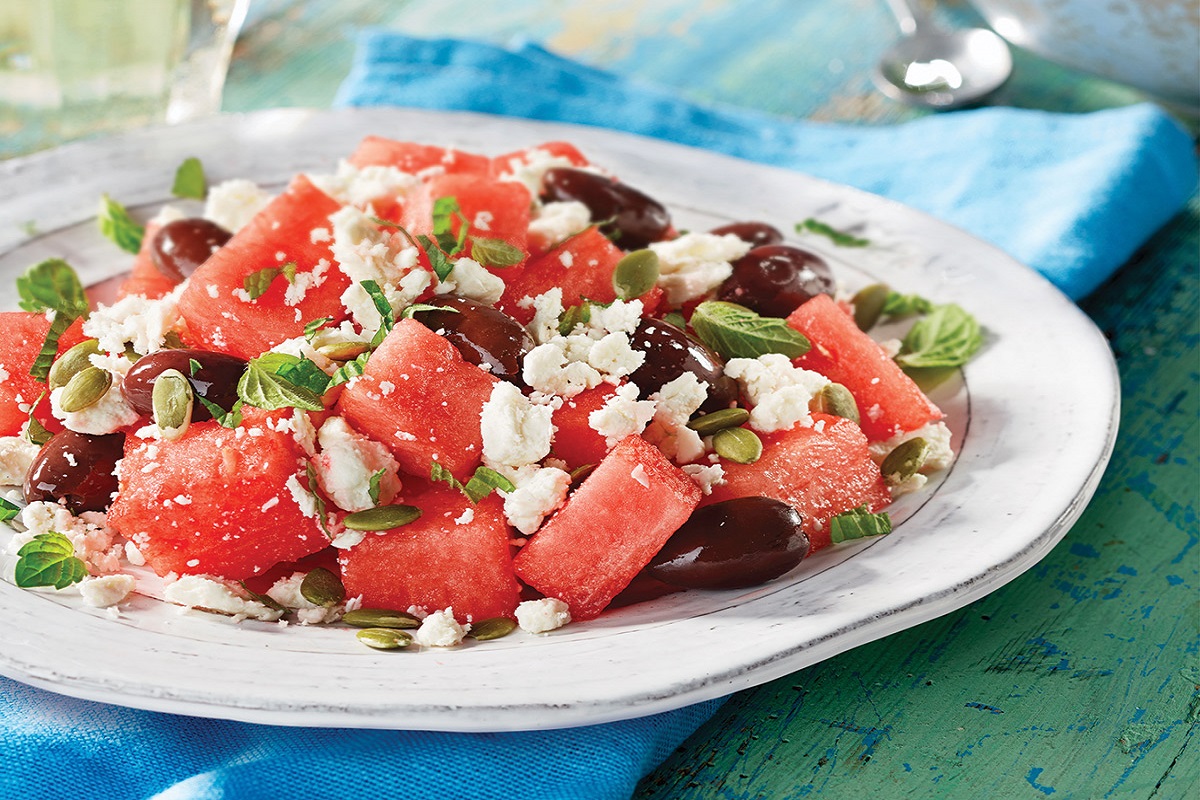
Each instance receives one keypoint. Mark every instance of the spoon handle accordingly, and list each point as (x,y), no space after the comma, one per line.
(906,15)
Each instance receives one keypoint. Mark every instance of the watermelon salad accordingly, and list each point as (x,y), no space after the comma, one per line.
(452,393)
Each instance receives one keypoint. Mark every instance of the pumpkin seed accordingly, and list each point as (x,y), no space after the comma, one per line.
(85,389)
(492,628)
(382,518)
(72,362)
(635,274)
(740,445)
(710,424)
(836,399)
(172,400)
(322,588)
(384,638)
(343,351)
(905,461)
(380,618)
(868,305)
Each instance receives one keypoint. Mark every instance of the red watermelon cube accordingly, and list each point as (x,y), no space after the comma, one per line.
(23,333)
(413,158)
(582,266)
(575,441)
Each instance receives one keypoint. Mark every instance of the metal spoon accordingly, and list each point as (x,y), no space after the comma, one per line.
(937,68)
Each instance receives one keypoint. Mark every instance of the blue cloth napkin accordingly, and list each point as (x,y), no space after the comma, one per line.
(1072,196)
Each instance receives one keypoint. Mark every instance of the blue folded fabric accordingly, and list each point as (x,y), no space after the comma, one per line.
(1072,196)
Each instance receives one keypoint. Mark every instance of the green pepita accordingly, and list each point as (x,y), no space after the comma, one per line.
(384,638)
(72,362)
(85,389)
(492,628)
(343,351)
(635,274)
(740,445)
(905,461)
(836,399)
(172,400)
(383,518)
(380,618)
(711,424)
(322,588)
(868,304)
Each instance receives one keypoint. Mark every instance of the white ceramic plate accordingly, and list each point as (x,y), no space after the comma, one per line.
(1034,414)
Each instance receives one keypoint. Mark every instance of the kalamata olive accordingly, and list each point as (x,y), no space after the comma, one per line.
(732,544)
(215,379)
(670,353)
(485,336)
(181,246)
(775,279)
(631,219)
(76,468)
(755,234)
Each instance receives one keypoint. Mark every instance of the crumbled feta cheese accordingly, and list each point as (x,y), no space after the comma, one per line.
(303,498)
(547,309)
(466,518)
(542,616)
(680,398)
(300,347)
(208,594)
(133,555)
(694,264)
(364,252)
(539,491)
(547,370)
(166,215)
(359,186)
(530,167)
(937,434)
(232,204)
(106,590)
(346,463)
(468,279)
(134,320)
(779,392)
(910,484)
(483,221)
(638,473)
(595,351)
(108,414)
(622,415)
(16,456)
(614,356)
(557,222)
(515,431)
(440,629)
(286,592)
(705,477)
(298,288)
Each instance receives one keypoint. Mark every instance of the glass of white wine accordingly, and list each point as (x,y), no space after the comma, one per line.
(73,68)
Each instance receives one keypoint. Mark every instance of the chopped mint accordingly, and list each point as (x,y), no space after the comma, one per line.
(484,482)
(439,474)
(840,238)
(905,305)
(858,523)
(226,419)
(48,560)
(373,485)
(310,330)
(116,224)
(190,180)
(311,474)
(349,370)
(946,337)
(737,332)
(279,380)
(8,510)
(495,252)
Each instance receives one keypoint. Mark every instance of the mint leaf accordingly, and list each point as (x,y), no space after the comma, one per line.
(858,523)
(226,419)
(190,180)
(439,474)
(438,261)
(257,283)
(840,238)
(445,209)
(905,305)
(349,370)
(194,366)
(373,485)
(310,330)
(484,482)
(261,387)
(35,432)
(52,285)
(947,337)
(737,332)
(495,252)
(40,369)
(8,510)
(297,371)
(48,560)
(116,224)
(416,308)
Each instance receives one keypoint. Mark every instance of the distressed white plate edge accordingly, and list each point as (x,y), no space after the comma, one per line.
(1046,386)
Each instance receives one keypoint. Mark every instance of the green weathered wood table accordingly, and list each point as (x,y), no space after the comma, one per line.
(1079,679)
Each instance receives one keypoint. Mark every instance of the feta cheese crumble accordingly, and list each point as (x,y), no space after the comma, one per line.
(539,491)
(108,414)
(515,431)
(469,279)
(16,456)
(779,393)
(364,252)
(135,320)
(232,204)
(441,629)
(347,462)
(622,415)
(543,615)
(106,590)
(286,592)
(694,264)
(557,222)
(941,453)
(209,594)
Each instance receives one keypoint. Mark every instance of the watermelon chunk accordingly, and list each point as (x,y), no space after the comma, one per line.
(575,442)
(457,554)
(217,501)
(420,399)
(889,402)
(503,165)
(412,157)
(23,333)
(582,266)
(819,471)
(594,546)
(282,232)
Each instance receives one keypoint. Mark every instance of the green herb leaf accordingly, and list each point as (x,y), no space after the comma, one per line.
(484,482)
(676,319)
(35,432)
(194,366)
(40,369)
(349,370)
(947,337)
(495,252)
(48,560)
(840,238)
(444,209)
(374,485)
(311,474)
(298,371)
(226,419)
(904,305)
(416,308)
(263,386)
(737,332)
(438,261)
(52,285)
(858,523)
(439,474)
(310,330)
(8,510)
(257,283)
(190,180)
(382,304)
(116,224)
(265,599)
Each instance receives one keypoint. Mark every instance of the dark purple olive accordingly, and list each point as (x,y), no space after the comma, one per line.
(76,468)
(181,246)
(215,379)
(775,279)
(631,219)
(732,545)
(485,336)
(755,234)
(669,353)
